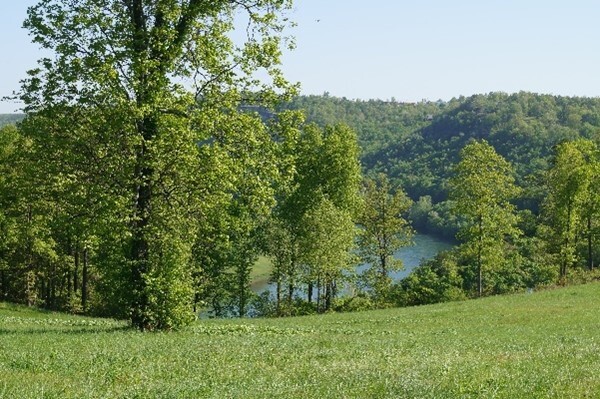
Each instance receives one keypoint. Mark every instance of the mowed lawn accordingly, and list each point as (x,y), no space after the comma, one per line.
(544,344)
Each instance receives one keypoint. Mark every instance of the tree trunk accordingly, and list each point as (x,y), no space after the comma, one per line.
(30,277)
(328,295)
(68,277)
(140,247)
(290,297)
(310,291)
(589,243)
(52,292)
(384,271)
(139,259)
(479,280)
(65,281)
(318,294)
(242,303)
(278,295)
(242,292)
(565,261)
(43,291)
(3,289)
(76,271)
(84,280)
(147,129)
(479,259)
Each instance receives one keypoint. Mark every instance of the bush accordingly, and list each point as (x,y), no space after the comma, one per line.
(437,280)
(265,305)
(356,304)
(582,276)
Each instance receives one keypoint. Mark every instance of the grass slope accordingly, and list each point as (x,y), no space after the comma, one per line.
(545,344)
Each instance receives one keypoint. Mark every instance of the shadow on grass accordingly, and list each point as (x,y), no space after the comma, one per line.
(64,330)
(18,308)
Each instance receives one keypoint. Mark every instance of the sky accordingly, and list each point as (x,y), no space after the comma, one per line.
(409,50)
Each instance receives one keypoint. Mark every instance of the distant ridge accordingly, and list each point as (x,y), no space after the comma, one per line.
(10,119)
(416,143)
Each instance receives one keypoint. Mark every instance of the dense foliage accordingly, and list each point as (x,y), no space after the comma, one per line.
(383,231)
(125,194)
(481,190)
(132,150)
(417,144)
(551,226)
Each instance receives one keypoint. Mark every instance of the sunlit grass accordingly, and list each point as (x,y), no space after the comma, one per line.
(542,345)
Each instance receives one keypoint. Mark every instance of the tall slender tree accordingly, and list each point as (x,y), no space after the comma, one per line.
(316,210)
(242,174)
(481,188)
(384,230)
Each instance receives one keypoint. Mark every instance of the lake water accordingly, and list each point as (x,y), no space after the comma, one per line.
(426,247)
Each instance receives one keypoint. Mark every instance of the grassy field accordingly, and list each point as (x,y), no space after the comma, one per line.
(542,345)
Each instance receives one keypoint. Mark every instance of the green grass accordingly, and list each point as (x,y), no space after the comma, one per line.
(545,344)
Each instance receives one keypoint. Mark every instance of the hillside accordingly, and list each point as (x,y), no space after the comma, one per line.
(523,346)
(416,144)
(8,119)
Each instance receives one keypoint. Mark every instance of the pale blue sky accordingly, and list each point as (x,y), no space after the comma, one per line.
(410,50)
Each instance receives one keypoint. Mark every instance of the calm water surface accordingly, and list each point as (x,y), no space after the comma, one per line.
(426,247)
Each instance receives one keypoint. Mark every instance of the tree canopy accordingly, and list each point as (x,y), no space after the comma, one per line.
(130,90)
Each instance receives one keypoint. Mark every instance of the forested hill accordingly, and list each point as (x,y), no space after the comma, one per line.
(377,122)
(8,119)
(417,144)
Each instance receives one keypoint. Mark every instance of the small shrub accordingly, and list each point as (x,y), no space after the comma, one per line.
(355,304)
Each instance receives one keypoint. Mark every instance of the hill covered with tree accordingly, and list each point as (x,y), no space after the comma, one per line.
(10,119)
(417,144)
(267,183)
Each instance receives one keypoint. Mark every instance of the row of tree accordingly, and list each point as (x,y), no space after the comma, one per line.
(504,249)
(134,161)
(287,190)
(140,183)
(293,192)
(415,145)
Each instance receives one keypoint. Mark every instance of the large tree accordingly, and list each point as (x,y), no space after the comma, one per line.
(482,188)
(153,78)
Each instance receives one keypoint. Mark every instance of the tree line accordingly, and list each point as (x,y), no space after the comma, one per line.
(143,184)
(504,248)
(293,192)
(416,144)
(133,162)
(288,190)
